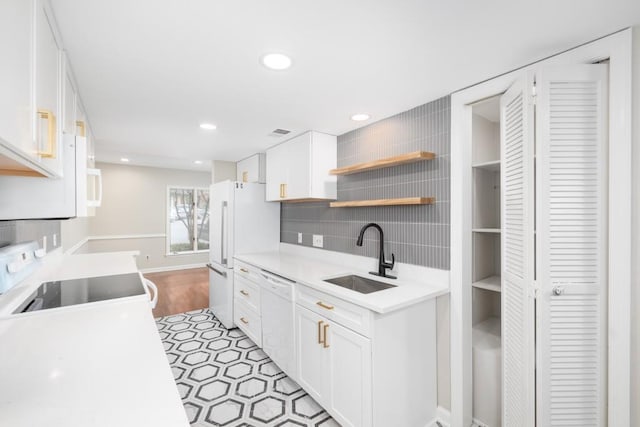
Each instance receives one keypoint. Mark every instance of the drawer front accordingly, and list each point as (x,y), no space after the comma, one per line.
(247,291)
(247,271)
(348,315)
(248,321)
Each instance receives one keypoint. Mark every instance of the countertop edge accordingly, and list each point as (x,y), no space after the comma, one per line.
(432,290)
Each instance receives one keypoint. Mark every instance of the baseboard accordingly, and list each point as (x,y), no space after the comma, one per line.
(171,268)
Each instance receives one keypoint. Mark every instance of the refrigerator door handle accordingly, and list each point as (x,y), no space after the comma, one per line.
(223,258)
(222,273)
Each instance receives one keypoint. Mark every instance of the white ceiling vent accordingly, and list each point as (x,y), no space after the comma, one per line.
(279,132)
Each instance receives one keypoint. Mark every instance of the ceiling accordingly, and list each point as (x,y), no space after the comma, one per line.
(150,72)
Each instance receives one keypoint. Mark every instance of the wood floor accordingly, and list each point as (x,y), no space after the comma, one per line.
(180,291)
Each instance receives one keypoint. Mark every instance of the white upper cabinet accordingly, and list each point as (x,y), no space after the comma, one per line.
(30,83)
(252,169)
(69,103)
(48,89)
(298,169)
(16,123)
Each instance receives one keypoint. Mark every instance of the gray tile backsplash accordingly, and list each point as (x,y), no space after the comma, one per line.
(415,234)
(25,230)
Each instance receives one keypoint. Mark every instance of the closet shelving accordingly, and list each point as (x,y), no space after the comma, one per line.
(486,281)
(402,159)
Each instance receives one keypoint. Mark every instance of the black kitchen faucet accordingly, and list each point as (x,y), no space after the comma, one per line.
(382,264)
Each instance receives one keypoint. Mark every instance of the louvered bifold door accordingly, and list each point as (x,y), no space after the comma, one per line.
(518,363)
(572,245)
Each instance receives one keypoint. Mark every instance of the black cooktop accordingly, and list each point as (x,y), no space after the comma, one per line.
(65,293)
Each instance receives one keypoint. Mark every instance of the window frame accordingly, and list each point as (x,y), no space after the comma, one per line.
(168,206)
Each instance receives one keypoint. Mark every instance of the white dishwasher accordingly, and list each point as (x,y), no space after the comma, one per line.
(276,302)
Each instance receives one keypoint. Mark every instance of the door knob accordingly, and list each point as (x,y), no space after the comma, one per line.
(557,291)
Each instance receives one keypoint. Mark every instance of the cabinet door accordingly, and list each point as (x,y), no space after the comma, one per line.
(16,123)
(47,86)
(572,253)
(69,96)
(518,321)
(276,172)
(251,169)
(312,356)
(349,376)
(298,167)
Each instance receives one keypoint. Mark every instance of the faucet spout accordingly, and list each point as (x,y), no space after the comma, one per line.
(383,265)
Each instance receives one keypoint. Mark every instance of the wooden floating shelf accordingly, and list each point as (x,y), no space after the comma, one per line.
(416,156)
(385,202)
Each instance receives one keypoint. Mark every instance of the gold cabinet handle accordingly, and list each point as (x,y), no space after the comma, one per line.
(82,130)
(320,322)
(52,130)
(244,270)
(243,320)
(325,306)
(245,293)
(283,191)
(325,344)
(245,176)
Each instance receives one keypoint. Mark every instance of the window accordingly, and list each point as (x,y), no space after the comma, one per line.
(187,220)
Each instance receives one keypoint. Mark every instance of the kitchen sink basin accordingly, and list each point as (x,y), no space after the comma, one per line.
(359,284)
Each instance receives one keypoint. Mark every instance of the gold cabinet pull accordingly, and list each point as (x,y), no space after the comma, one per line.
(325,344)
(320,322)
(245,293)
(283,191)
(52,130)
(325,306)
(243,320)
(245,176)
(82,130)
(244,270)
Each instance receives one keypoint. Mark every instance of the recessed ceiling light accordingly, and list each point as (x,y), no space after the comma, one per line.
(360,117)
(197,162)
(124,159)
(208,126)
(276,61)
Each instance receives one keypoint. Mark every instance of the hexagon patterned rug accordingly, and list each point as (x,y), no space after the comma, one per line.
(224,379)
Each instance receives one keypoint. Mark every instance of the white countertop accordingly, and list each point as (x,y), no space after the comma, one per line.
(96,364)
(311,271)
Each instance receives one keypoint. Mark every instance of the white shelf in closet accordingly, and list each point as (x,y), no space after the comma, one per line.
(493,165)
(486,230)
(491,283)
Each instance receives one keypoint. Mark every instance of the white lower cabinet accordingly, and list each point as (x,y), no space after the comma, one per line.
(366,369)
(246,308)
(334,365)
(312,357)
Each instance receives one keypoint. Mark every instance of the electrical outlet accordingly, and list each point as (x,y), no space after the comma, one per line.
(318,240)
(55,240)
(299,237)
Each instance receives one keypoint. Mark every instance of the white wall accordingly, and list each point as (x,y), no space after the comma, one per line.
(635,232)
(221,171)
(73,231)
(134,203)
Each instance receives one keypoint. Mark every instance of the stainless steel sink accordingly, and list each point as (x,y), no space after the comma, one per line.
(359,284)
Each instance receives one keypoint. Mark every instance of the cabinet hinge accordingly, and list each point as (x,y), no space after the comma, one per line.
(535,289)
(534,95)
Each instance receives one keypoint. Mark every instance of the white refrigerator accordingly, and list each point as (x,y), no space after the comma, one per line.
(240,221)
